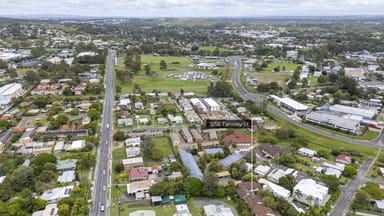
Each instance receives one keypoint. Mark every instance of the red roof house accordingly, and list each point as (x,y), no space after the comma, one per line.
(138,173)
(240,140)
(344,159)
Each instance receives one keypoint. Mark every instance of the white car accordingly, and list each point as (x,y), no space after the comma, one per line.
(107,125)
(102,208)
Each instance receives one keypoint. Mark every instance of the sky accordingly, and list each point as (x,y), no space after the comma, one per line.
(192,8)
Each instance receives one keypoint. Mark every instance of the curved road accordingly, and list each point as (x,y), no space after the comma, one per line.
(258,99)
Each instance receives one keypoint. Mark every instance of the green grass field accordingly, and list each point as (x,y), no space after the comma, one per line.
(163,83)
(212,48)
(268,75)
(164,143)
(119,154)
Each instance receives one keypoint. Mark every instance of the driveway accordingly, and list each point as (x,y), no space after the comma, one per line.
(200,203)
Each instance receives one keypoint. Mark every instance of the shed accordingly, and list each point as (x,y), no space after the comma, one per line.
(156,200)
(166,200)
(180,199)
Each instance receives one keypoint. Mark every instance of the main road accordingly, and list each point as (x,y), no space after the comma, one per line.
(102,170)
(258,99)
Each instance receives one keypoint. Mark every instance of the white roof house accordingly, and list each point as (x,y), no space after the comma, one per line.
(309,192)
(56,194)
(67,176)
(337,166)
(217,210)
(306,152)
(77,145)
(366,114)
(277,190)
(132,151)
(276,174)
(134,141)
(262,170)
(132,160)
(143,213)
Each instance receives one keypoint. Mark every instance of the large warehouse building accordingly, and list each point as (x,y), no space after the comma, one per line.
(9,91)
(289,105)
(334,121)
(366,114)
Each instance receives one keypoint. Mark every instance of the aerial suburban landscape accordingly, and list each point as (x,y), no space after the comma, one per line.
(194,115)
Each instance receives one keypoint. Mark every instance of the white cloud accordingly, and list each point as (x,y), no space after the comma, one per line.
(175,8)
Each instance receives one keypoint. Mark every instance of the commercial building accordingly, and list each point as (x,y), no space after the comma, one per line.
(366,114)
(191,164)
(307,188)
(143,213)
(211,104)
(289,105)
(334,121)
(9,91)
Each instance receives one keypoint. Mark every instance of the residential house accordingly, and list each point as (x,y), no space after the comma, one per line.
(187,135)
(134,141)
(76,145)
(138,186)
(79,89)
(162,121)
(66,176)
(217,210)
(272,151)
(344,159)
(275,189)
(306,152)
(132,162)
(132,151)
(175,119)
(275,175)
(175,139)
(139,106)
(27,136)
(174,176)
(125,121)
(238,140)
(56,194)
(66,165)
(310,192)
(197,135)
(262,170)
(138,173)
